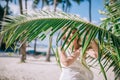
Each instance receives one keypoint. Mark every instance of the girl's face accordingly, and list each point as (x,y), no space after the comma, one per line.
(74,43)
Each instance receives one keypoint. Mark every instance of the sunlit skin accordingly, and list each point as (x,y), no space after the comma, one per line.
(66,61)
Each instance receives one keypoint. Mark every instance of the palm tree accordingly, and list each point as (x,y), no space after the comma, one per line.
(23,46)
(15,1)
(7,7)
(50,38)
(112,19)
(35,3)
(4,11)
(4,14)
(1,18)
(21,8)
(108,40)
(26,4)
(43,3)
(66,4)
(90,15)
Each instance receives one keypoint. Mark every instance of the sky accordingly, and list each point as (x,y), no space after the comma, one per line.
(77,9)
(83,8)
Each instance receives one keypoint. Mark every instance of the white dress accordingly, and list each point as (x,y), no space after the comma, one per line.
(75,71)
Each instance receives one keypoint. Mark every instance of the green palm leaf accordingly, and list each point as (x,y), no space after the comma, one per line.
(28,27)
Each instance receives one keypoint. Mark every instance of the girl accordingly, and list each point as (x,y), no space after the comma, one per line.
(72,69)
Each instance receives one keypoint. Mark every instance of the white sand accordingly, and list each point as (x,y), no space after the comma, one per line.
(35,69)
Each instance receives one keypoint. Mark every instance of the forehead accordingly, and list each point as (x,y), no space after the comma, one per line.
(72,32)
(67,31)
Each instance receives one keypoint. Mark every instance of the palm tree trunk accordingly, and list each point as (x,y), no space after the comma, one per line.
(1,43)
(63,5)
(90,16)
(4,14)
(6,11)
(66,8)
(15,2)
(55,5)
(23,47)
(26,5)
(23,52)
(49,49)
(21,8)
(50,38)
(42,4)
(35,45)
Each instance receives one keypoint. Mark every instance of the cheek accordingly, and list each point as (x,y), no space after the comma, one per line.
(74,41)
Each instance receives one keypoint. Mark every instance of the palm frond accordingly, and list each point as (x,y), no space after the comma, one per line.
(28,27)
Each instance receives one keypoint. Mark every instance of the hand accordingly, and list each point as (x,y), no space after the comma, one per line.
(61,50)
(92,53)
(77,52)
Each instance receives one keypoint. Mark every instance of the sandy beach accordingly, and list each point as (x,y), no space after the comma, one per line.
(35,69)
